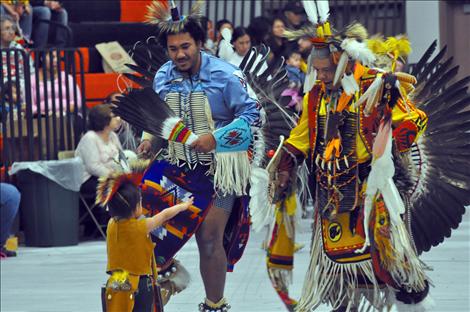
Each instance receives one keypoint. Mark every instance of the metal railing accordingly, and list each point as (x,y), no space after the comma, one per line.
(42,107)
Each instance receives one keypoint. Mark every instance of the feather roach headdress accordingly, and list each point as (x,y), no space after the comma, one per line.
(109,185)
(165,14)
(390,50)
(345,46)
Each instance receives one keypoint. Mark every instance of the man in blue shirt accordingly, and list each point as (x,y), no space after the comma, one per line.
(190,72)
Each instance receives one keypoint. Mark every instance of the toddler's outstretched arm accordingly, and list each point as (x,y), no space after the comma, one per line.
(160,218)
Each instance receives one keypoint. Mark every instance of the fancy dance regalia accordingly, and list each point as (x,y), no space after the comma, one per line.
(179,109)
(384,187)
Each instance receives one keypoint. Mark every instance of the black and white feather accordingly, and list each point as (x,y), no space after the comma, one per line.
(143,108)
(268,82)
(149,56)
(437,183)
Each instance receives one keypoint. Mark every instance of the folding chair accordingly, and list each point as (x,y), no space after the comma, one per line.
(85,198)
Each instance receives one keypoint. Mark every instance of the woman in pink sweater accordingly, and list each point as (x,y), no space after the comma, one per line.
(49,89)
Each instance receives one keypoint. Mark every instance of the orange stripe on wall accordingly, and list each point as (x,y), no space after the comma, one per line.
(100,85)
(134,10)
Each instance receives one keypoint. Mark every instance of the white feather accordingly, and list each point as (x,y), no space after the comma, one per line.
(341,68)
(323,10)
(380,179)
(381,176)
(256,62)
(311,76)
(358,51)
(311,10)
(261,211)
(374,98)
(349,84)
(377,179)
(375,85)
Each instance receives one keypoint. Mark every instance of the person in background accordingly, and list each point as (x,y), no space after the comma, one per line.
(219,27)
(276,42)
(259,30)
(241,42)
(10,201)
(99,148)
(21,12)
(209,46)
(51,77)
(296,80)
(49,11)
(293,15)
(101,154)
(128,135)
(293,20)
(9,30)
(13,68)
(295,75)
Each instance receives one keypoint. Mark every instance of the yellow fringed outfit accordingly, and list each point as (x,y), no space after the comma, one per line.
(130,252)
(339,168)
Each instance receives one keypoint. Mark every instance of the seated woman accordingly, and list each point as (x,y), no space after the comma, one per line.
(101,154)
(99,148)
(129,136)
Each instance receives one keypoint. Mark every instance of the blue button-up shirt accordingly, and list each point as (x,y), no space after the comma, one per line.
(223,84)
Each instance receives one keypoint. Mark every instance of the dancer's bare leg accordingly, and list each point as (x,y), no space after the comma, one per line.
(213,261)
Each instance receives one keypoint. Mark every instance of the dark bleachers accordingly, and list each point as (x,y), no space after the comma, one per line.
(95,21)
(88,34)
(92,10)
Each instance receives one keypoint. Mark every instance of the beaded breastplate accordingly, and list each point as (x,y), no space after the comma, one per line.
(195,112)
(338,183)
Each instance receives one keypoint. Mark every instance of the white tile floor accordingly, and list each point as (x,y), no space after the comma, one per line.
(69,278)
